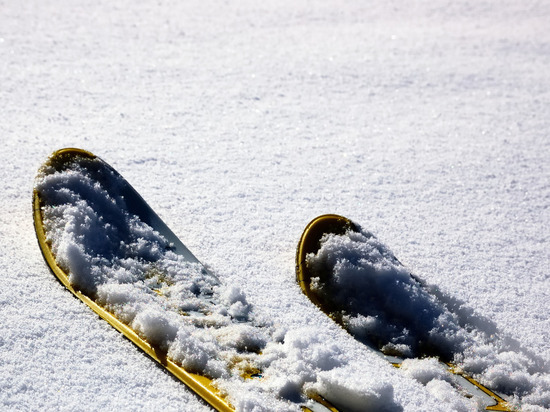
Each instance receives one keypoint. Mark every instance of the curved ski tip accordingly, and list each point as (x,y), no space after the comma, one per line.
(310,242)
(72,151)
(314,231)
(61,156)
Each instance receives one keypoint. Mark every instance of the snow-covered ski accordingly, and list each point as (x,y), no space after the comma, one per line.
(359,283)
(112,251)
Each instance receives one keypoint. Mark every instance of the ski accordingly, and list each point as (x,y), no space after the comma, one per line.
(107,247)
(345,280)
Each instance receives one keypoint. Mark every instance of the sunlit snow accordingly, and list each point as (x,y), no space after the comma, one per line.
(426,123)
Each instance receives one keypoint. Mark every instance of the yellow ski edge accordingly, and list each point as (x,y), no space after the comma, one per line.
(199,384)
(321,401)
(501,404)
(305,246)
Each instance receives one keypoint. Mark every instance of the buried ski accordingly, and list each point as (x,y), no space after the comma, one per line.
(359,283)
(111,250)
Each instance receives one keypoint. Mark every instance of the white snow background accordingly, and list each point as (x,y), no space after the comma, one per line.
(427,123)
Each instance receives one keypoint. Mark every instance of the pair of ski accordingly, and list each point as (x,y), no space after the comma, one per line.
(55,203)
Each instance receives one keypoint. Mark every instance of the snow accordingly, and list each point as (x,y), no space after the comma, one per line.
(104,237)
(438,381)
(425,123)
(384,305)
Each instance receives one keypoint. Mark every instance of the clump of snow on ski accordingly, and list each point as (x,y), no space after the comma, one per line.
(183,310)
(445,386)
(385,303)
(389,308)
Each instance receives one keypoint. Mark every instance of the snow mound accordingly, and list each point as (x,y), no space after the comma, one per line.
(387,307)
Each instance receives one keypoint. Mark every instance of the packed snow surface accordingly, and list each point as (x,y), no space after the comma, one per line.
(239,122)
